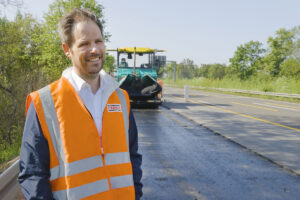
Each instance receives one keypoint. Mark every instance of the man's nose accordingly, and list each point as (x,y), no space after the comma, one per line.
(94,48)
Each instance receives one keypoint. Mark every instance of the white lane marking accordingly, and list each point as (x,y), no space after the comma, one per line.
(276,107)
(287,106)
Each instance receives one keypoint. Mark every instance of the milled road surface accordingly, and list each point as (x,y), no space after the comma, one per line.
(182,160)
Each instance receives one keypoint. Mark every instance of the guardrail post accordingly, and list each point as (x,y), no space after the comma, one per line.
(174,71)
(186,93)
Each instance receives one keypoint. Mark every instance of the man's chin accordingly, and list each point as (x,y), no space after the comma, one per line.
(94,72)
(95,69)
(91,75)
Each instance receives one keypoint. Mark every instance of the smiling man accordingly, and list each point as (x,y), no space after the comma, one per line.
(80,136)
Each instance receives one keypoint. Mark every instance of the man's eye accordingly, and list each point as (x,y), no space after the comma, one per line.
(83,44)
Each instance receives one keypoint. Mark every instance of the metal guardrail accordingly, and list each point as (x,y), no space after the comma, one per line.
(296,96)
(9,186)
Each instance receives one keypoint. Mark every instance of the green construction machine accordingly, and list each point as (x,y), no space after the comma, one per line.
(138,74)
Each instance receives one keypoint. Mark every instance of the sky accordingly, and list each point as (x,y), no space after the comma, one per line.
(205,31)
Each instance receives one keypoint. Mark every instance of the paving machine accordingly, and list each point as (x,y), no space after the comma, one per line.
(138,74)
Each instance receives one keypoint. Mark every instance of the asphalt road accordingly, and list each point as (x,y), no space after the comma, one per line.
(183,160)
(270,128)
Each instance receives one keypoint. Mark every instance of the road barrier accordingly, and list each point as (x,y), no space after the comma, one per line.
(9,186)
(186,93)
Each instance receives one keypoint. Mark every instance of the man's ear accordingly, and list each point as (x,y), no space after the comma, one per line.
(66,49)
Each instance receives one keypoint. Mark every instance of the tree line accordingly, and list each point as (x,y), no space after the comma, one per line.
(281,58)
(31,57)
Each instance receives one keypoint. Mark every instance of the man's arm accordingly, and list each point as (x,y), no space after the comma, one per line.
(135,157)
(34,160)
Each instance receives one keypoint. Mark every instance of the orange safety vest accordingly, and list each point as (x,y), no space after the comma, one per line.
(79,168)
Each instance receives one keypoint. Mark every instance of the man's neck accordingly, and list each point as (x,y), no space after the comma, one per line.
(94,83)
(92,80)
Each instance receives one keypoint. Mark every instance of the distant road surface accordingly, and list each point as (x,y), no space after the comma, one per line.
(270,128)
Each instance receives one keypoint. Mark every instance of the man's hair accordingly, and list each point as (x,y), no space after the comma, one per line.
(66,24)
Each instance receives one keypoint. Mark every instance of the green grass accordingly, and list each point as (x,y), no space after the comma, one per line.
(8,152)
(280,85)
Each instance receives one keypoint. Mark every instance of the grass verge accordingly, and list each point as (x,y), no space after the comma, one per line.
(9,152)
(265,86)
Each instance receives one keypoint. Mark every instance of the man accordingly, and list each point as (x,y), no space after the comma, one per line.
(80,136)
(124,63)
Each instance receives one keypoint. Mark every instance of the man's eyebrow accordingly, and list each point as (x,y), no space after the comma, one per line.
(83,41)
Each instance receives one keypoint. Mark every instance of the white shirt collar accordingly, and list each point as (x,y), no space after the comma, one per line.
(79,82)
(107,83)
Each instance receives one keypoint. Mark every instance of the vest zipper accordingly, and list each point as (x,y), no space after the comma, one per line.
(101,145)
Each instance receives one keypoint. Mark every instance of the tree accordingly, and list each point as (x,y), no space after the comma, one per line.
(53,58)
(168,70)
(246,59)
(19,74)
(109,63)
(186,69)
(281,46)
(203,70)
(212,71)
(290,68)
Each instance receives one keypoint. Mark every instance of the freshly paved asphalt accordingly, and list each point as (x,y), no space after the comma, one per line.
(269,128)
(183,160)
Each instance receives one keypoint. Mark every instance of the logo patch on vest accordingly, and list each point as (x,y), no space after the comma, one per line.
(114,108)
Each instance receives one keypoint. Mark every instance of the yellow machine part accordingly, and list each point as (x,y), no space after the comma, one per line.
(137,50)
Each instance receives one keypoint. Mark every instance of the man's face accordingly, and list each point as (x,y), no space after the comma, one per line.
(87,51)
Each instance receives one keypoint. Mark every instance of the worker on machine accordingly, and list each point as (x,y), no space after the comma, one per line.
(124,63)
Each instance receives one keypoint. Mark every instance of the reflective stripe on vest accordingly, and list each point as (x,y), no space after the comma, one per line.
(53,127)
(76,167)
(65,169)
(117,158)
(121,181)
(82,191)
(124,111)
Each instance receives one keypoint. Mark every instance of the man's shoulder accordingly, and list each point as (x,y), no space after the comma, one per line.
(124,91)
(46,86)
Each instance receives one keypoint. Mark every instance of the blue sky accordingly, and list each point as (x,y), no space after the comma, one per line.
(206,31)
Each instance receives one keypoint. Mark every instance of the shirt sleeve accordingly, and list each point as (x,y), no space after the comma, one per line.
(34,160)
(135,157)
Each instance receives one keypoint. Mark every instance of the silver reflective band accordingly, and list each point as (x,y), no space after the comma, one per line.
(117,158)
(52,124)
(56,172)
(76,167)
(121,181)
(124,111)
(83,190)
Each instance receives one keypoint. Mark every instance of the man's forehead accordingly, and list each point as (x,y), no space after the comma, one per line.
(86,29)
(83,23)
